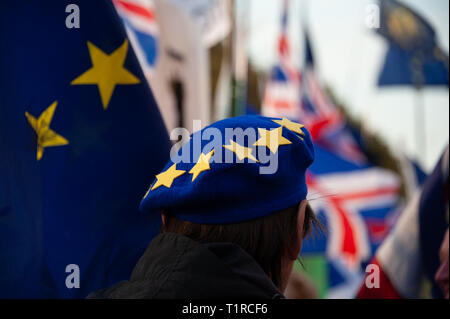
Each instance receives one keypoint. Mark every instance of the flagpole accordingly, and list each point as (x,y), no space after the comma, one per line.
(239,71)
(304,23)
(304,10)
(420,124)
(234,82)
(418,81)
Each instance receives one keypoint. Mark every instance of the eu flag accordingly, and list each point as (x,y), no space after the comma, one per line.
(414,57)
(81,138)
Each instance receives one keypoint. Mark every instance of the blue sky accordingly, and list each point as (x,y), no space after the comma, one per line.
(349,57)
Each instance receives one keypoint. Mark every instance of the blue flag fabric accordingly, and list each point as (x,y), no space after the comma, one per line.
(414,57)
(403,68)
(309,57)
(80,139)
(405,27)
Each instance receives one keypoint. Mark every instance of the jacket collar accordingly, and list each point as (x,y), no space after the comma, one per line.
(174,266)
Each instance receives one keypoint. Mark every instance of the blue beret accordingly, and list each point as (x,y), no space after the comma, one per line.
(234,170)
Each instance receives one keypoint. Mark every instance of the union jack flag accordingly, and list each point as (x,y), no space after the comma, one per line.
(282,94)
(300,97)
(323,119)
(358,205)
(142,29)
(344,195)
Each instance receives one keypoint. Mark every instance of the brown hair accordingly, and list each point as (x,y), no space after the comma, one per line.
(267,239)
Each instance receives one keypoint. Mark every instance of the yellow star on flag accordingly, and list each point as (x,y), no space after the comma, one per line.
(294,127)
(45,135)
(166,178)
(107,71)
(272,139)
(201,165)
(240,151)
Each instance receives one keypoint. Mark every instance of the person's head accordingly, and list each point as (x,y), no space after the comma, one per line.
(222,194)
(274,241)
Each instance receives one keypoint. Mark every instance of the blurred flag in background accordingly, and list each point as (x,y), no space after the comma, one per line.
(414,57)
(80,139)
(299,96)
(411,252)
(172,39)
(357,204)
(325,121)
(142,29)
(282,91)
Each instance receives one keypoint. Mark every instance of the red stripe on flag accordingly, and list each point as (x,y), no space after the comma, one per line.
(135,9)
(279,104)
(371,193)
(378,229)
(283,46)
(349,243)
(348,246)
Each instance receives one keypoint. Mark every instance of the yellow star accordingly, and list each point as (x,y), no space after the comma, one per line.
(107,71)
(202,165)
(272,139)
(240,151)
(45,135)
(294,127)
(166,178)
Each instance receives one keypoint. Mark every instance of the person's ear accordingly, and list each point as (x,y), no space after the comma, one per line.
(297,245)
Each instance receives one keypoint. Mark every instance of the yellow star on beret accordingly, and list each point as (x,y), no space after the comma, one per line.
(201,165)
(293,126)
(240,151)
(271,139)
(166,178)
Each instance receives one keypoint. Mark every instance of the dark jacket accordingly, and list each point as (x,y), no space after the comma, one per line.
(174,266)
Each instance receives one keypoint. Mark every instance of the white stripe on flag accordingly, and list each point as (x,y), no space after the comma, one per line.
(399,255)
(366,180)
